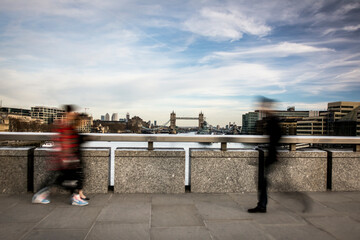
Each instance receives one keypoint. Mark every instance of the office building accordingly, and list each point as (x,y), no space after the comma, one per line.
(15,111)
(342,118)
(249,122)
(47,114)
(312,126)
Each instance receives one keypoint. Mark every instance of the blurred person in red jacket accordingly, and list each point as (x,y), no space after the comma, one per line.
(66,161)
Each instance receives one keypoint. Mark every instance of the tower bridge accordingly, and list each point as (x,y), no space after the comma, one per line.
(173,119)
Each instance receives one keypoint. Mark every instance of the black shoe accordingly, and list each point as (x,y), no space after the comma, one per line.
(257,210)
(85,198)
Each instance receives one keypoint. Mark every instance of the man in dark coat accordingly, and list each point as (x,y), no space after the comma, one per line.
(272,128)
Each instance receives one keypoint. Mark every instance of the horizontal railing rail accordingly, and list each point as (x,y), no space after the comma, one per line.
(223,139)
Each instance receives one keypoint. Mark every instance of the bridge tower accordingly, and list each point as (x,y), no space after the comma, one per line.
(173,122)
(201,120)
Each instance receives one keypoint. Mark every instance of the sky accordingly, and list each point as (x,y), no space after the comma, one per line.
(150,58)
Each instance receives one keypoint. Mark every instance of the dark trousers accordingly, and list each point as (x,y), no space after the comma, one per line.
(70,179)
(263,178)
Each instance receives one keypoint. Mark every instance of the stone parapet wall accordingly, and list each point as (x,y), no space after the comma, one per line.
(345,170)
(144,171)
(14,169)
(216,171)
(24,169)
(302,170)
(96,169)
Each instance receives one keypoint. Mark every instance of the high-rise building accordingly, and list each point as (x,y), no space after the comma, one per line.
(127,117)
(107,117)
(115,117)
(102,118)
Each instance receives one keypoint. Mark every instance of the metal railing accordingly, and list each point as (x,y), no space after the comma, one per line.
(223,139)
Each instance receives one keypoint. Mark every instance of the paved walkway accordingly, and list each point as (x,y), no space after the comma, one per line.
(330,215)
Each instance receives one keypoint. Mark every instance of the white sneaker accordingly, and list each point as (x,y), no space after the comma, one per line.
(41,196)
(77,201)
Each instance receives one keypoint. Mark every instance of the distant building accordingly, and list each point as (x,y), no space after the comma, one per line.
(249,122)
(86,123)
(107,117)
(47,114)
(127,117)
(288,120)
(16,111)
(102,117)
(312,126)
(342,118)
(115,117)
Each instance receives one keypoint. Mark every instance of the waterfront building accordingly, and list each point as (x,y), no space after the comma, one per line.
(47,114)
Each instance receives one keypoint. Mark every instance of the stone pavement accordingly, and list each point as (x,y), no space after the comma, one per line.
(328,215)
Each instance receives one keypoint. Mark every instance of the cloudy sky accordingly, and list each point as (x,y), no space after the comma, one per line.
(149,58)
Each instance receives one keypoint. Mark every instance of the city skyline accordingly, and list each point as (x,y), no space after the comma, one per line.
(150,58)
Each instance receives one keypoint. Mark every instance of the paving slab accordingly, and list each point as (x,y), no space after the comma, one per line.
(344,207)
(9,231)
(226,210)
(182,216)
(296,232)
(229,230)
(119,231)
(172,199)
(180,233)
(175,215)
(126,212)
(22,213)
(301,203)
(330,197)
(338,226)
(56,234)
(72,217)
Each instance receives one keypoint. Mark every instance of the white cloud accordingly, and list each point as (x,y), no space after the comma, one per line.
(352,28)
(223,24)
(283,49)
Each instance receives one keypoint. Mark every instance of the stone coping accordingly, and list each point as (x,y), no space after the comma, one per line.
(144,152)
(217,153)
(86,152)
(15,151)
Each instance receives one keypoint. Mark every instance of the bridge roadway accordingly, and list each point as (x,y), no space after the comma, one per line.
(329,215)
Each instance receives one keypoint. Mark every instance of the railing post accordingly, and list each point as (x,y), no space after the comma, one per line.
(293,147)
(223,146)
(357,148)
(150,146)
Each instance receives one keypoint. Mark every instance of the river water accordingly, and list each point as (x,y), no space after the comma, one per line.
(185,145)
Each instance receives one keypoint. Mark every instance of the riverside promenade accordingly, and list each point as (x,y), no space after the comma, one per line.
(318,215)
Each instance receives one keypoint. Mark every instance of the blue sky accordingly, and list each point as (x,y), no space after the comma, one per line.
(149,58)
